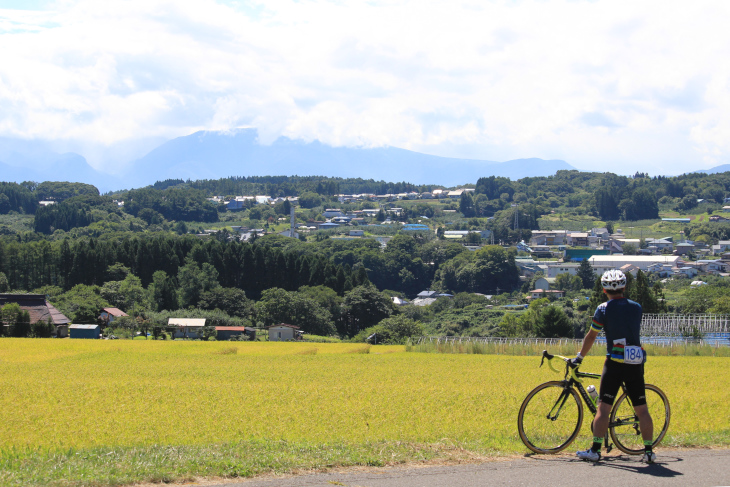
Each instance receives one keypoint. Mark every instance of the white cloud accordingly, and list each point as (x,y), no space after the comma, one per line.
(637,85)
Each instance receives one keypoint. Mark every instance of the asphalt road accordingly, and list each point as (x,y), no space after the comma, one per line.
(673,467)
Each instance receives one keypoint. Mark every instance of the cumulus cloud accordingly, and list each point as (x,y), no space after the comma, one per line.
(628,84)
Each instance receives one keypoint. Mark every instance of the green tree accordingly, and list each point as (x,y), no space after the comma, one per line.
(279,306)
(645,295)
(8,316)
(586,274)
(4,204)
(629,249)
(126,294)
(15,321)
(193,280)
(4,286)
(328,299)
(466,205)
(82,303)
(567,282)
(230,300)
(309,200)
(163,292)
(597,297)
(365,306)
(554,323)
(393,330)
(117,272)
(42,329)
(181,228)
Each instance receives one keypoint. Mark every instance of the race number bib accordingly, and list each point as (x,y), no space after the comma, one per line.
(633,355)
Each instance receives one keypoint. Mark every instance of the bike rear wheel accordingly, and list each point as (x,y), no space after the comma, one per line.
(624,424)
(550,417)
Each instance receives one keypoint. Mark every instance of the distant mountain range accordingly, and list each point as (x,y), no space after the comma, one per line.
(716,169)
(22,160)
(213,155)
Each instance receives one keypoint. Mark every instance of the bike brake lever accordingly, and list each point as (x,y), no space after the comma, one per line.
(542,360)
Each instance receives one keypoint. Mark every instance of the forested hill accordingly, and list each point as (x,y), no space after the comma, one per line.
(603,195)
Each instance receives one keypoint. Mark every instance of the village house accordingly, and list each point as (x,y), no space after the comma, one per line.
(661,244)
(721,247)
(546,293)
(548,237)
(108,315)
(683,248)
(629,269)
(577,239)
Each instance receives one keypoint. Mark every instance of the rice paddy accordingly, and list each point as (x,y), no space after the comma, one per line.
(375,404)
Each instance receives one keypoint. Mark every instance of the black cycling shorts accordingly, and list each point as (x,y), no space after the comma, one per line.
(630,375)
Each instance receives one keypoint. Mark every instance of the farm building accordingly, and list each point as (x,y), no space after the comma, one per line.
(39,309)
(228,332)
(186,327)
(283,332)
(84,331)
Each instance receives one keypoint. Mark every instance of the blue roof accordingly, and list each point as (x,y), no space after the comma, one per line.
(415,226)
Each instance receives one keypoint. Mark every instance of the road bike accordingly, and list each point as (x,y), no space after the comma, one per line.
(551,415)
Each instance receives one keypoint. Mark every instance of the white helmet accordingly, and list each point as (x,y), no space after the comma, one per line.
(613,280)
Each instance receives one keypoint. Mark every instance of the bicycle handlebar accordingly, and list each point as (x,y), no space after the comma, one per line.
(569,365)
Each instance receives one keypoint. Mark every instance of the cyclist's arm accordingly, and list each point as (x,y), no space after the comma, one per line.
(588,342)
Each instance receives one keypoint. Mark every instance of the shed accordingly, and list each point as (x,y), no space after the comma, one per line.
(228,332)
(283,332)
(84,331)
(187,327)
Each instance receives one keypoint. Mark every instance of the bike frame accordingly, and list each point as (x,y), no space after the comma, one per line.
(573,379)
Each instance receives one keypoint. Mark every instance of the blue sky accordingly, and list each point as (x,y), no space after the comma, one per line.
(610,85)
(25,4)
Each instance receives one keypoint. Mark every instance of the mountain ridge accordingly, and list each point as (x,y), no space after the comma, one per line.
(237,152)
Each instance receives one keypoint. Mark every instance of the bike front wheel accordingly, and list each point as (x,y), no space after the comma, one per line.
(550,417)
(624,424)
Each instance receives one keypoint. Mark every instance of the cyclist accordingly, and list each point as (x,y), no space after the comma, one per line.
(620,319)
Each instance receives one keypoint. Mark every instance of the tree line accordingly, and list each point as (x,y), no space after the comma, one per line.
(250,267)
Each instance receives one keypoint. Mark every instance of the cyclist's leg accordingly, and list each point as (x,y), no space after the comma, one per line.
(610,384)
(600,422)
(646,425)
(636,390)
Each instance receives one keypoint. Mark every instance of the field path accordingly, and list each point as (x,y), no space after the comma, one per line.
(675,467)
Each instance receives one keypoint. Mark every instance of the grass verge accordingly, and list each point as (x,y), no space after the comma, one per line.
(101,466)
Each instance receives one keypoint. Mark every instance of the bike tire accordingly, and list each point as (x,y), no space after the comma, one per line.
(538,431)
(627,436)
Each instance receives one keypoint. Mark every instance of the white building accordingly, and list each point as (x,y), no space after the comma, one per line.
(603,263)
(283,332)
(187,327)
(555,268)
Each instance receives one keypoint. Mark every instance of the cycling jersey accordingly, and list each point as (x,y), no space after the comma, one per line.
(620,319)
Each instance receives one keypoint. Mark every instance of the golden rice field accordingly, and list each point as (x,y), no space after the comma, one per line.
(86,395)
